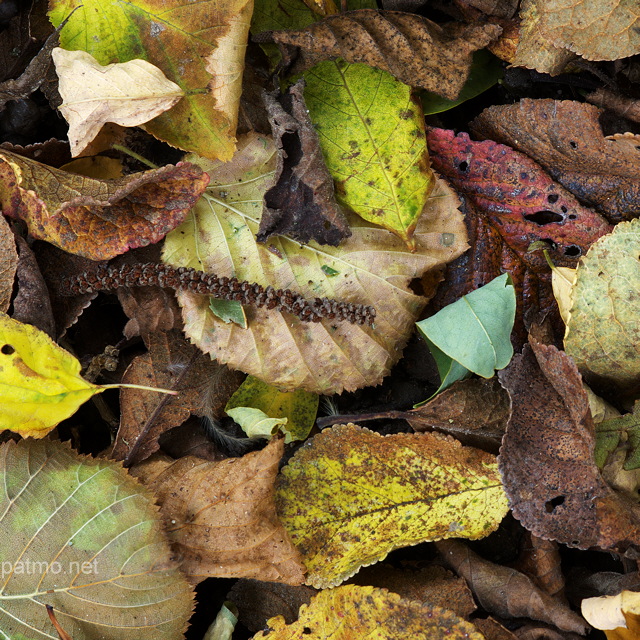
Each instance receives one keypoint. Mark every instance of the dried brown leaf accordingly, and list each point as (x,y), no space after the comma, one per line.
(492,630)
(415,50)
(8,264)
(624,106)
(302,201)
(507,592)
(540,560)
(221,518)
(498,8)
(565,137)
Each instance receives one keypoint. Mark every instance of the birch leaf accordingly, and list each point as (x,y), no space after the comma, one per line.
(128,93)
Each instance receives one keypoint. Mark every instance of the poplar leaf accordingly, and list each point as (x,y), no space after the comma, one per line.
(40,382)
(350,496)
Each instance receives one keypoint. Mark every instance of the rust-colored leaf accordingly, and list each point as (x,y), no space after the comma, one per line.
(565,137)
(415,50)
(8,264)
(98,219)
(547,462)
(540,560)
(301,203)
(507,592)
(221,518)
(511,203)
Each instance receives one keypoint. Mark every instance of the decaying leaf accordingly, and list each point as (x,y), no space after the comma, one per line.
(351,611)
(540,560)
(350,496)
(512,203)
(80,535)
(373,267)
(381,167)
(507,592)
(8,264)
(301,203)
(221,515)
(602,334)
(127,93)
(98,219)
(415,50)
(547,462)
(199,46)
(565,137)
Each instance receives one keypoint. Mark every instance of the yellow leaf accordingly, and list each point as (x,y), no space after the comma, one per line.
(40,382)
(129,93)
(350,496)
(352,611)
(562,281)
(618,615)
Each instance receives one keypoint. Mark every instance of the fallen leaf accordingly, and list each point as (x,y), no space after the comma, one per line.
(80,535)
(220,516)
(546,459)
(298,408)
(127,93)
(609,434)
(381,168)
(415,50)
(372,267)
(602,334)
(498,8)
(624,106)
(540,560)
(507,592)
(98,219)
(8,264)
(565,137)
(512,203)
(351,611)
(17,46)
(350,496)
(618,616)
(301,203)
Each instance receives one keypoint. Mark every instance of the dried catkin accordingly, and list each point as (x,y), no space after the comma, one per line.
(106,278)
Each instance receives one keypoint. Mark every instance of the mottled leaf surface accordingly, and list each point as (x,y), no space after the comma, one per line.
(350,496)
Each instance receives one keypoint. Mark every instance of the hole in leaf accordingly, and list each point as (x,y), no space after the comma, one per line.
(564,209)
(550,505)
(573,251)
(553,198)
(544,217)
(574,145)
(572,216)
(7,349)
(306,631)
(463,166)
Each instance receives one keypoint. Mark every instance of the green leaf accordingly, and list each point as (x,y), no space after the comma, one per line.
(228,311)
(373,139)
(473,333)
(293,412)
(81,535)
(610,432)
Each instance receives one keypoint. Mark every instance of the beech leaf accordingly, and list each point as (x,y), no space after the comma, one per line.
(371,267)
(352,611)
(220,516)
(82,536)
(97,219)
(350,496)
(40,382)
(128,93)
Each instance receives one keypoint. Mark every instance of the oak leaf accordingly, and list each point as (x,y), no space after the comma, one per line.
(82,536)
(352,611)
(350,496)
(373,266)
(415,50)
(98,219)
(127,93)
(221,516)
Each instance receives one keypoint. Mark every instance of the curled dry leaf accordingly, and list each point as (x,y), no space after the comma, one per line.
(97,219)
(350,496)
(127,93)
(302,202)
(351,612)
(507,592)
(221,518)
(513,203)
(8,264)
(547,457)
(373,267)
(565,137)
(540,560)
(415,50)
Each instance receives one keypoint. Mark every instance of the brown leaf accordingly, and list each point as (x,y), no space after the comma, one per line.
(415,50)
(301,203)
(546,459)
(8,264)
(511,203)
(542,632)
(149,309)
(17,46)
(98,219)
(498,8)
(507,592)
(624,106)
(492,629)
(171,363)
(221,518)
(565,137)
(540,560)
